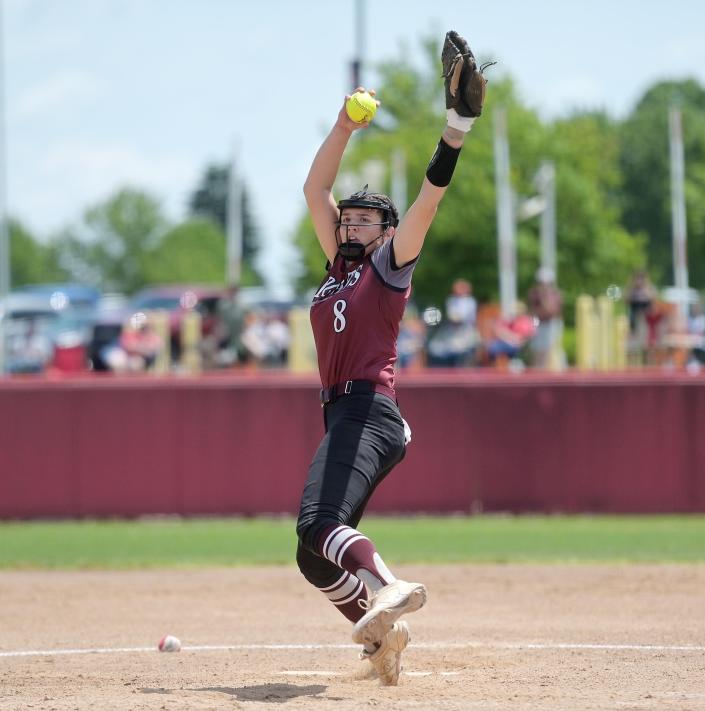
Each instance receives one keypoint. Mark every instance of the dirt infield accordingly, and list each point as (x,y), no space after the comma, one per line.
(496,637)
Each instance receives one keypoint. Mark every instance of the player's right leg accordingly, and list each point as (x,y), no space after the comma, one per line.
(385,607)
(390,598)
(363,442)
(343,589)
(386,659)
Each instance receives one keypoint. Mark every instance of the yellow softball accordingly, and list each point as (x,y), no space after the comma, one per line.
(361,107)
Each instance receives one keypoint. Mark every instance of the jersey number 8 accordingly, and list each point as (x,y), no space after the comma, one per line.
(339,321)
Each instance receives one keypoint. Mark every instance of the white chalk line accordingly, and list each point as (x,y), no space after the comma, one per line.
(427,645)
(336,673)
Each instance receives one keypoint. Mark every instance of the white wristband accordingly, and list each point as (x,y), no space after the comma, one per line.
(462,123)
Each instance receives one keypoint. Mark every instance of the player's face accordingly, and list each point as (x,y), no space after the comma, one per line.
(363,225)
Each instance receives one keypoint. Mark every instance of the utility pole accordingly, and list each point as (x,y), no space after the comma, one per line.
(399,185)
(233,268)
(678,219)
(546,184)
(4,232)
(543,204)
(356,65)
(506,230)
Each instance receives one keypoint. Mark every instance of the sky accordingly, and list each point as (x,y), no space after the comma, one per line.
(102,94)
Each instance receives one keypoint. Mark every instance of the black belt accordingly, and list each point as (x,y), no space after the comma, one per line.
(353,387)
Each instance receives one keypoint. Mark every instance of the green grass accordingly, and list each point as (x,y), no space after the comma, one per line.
(271,541)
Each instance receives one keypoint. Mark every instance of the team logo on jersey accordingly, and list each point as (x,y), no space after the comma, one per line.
(332,286)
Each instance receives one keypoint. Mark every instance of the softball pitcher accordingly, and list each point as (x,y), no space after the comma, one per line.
(355,317)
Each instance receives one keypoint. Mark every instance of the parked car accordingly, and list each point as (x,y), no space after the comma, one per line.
(41,329)
(61,296)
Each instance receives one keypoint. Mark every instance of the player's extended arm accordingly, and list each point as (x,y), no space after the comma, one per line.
(412,230)
(318,188)
(465,92)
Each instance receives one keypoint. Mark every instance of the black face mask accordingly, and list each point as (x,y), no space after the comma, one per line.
(355,251)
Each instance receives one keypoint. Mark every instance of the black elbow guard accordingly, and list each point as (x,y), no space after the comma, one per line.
(440,169)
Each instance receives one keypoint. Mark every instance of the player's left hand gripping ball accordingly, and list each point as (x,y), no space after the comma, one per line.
(361,107)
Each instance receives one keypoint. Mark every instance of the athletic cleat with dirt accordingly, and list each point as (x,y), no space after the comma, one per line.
(385,607)
(386,661)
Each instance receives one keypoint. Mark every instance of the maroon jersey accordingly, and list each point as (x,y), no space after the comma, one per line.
(355,317)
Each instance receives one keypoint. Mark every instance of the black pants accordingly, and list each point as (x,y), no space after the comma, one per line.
(364,440)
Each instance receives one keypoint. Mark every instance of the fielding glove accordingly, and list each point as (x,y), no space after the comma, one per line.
(464,81)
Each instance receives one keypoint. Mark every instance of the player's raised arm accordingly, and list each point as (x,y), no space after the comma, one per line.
(465,92)
(318,188)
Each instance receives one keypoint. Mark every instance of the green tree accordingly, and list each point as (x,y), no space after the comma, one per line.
(593,250)
(210,200)
(645,162)
(193,251)
(190,252)
(109,248)
(30,261)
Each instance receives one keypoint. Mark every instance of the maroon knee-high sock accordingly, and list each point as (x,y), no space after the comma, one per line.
(352,551)
(345,593)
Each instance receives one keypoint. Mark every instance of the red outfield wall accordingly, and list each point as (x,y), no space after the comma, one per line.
(242,444)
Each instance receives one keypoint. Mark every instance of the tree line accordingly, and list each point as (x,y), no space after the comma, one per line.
(613,195)
(125,241)
(612,191)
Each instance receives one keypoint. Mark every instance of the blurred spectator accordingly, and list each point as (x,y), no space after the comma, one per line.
(278,340)
(411,339)
(545,305)
(230,320)
(655,318)
(137,349)
(104,338)
(511,335)
(640,298)
(451,346)
(461,306)
(696,327)
(669,339)
(70,351)
(254,338)
(141,342)
(454,342)
(265,339)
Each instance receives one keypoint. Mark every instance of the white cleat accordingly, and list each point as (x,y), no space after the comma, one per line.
(384,609)
(386,661)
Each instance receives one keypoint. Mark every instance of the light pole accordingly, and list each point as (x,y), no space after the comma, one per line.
(678,220)
(543,204)
(233,267)
(356,64)
(546,184)
(398,180)
(4,233)
(506,230)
